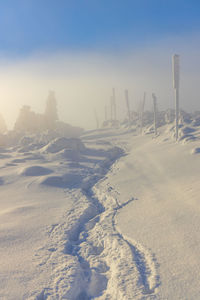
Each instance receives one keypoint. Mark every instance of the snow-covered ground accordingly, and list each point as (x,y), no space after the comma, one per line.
(114,215)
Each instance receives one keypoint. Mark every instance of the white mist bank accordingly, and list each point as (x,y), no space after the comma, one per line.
(84,81)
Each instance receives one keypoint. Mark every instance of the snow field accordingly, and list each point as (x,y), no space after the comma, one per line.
(33,181)
(100,224)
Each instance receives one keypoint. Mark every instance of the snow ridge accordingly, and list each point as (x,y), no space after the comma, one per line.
(133,272)
(146,265)
(144,260)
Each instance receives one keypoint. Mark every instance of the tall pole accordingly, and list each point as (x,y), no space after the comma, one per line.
(177,111)
(176,79)
(96,118)
(114,105)
(142,113)
(155,113)
(128,107)
(111,108)
(106,115)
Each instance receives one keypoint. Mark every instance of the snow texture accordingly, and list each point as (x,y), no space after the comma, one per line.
(114,215)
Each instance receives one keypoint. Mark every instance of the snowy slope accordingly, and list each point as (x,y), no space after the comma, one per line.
(45,203)
(115,216)
(163,221)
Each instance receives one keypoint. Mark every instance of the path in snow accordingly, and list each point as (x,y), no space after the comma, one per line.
(91,258)
(103,263)
(44,206)
(101,255)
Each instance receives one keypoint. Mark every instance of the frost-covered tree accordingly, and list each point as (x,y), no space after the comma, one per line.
(26,121)
(51,115)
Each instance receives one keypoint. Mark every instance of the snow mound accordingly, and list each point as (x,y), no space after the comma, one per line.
(1,181)
(68,154)
(196,150)
(188,138)
(187,134)
(36,171)
(187,130)
(196,122)
(18,160)
(66,181)
(26,140)
(59,144)
(29,143)
(31,156)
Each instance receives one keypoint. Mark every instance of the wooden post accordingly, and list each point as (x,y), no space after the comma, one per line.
(111,108)
(142,113)
(139,114)
(128,107)
(177,111)
(96,118)
(176,79)
(155,113)
(106,115)
(114,105)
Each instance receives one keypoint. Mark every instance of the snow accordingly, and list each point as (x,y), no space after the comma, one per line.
(34,170)
(164,179)
(59,144)
(111,215)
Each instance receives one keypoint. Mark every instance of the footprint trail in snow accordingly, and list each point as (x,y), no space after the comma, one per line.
(93,260)
(89,256)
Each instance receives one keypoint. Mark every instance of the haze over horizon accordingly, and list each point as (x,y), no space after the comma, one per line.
(83,49)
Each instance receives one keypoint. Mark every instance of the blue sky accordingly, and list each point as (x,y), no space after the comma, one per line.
(29,26)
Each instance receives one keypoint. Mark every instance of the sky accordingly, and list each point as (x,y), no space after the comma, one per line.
(82,49)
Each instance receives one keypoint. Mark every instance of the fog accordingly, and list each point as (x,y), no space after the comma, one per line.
(83,81)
